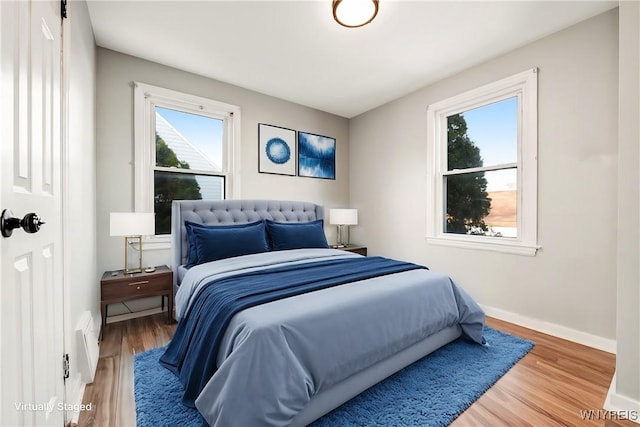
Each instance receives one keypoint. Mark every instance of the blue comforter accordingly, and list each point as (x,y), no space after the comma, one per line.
(274,357)
(191,354)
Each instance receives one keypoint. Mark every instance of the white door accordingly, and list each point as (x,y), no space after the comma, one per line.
(31,316)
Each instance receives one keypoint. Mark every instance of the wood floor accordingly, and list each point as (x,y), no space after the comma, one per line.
(549,387)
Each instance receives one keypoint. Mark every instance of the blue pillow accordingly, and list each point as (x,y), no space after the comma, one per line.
(213,242)
(192,254)
(296,235)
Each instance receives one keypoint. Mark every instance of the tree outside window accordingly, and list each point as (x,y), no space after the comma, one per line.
(170,187)
(467,200)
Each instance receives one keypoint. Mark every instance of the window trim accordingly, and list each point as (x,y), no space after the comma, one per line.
(524,86)
(146,97)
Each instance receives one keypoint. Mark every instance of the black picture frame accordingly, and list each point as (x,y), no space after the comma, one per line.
(277,150)
(316,156)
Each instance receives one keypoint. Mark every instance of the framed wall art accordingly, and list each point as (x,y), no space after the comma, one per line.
(316,156)
(277,150)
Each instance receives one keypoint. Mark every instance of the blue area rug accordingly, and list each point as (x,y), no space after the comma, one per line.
(431,392)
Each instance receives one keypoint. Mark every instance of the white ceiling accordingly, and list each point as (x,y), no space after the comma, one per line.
(295,51)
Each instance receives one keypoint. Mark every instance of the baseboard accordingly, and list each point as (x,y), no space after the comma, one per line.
(135,314)
(622,406)
(553,329)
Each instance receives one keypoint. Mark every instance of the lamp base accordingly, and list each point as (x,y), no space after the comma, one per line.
(130,264)
(343,236)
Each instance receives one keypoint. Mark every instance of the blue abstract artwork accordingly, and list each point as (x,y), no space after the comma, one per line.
(277,150)
(316,156)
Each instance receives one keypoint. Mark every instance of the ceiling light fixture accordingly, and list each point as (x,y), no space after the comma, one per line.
(354,13)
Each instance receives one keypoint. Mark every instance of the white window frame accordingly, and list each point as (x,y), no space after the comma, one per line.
(146,98)
(524,86)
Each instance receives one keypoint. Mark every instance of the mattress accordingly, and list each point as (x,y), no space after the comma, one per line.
(276,357)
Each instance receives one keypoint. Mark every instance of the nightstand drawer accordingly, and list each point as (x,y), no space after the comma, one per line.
(135,287)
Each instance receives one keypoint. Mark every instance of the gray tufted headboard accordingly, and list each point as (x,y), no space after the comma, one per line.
(221,212)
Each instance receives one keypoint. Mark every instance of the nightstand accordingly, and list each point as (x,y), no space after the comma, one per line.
(362,250)
(115,287)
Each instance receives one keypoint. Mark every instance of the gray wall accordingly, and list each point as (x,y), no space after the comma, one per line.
(81,278)
(628,297)
(571,281)
(115,183)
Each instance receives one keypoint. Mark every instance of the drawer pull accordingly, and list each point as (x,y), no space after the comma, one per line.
(142,282)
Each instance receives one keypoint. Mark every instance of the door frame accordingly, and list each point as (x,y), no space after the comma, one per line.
(74,387)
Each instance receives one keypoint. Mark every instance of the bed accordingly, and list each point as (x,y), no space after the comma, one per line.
(289,359)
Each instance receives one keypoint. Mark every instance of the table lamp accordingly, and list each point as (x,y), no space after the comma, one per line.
(343,218)
(132,225)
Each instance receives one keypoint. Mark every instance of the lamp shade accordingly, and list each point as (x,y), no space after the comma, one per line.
(343,216)
(132,224)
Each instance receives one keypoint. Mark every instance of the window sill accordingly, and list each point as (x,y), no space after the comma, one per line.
(509,247)
(156,243)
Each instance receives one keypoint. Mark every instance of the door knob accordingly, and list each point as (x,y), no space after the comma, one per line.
(30,223)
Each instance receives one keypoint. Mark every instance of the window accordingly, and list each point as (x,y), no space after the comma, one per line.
(184,150)
(482,179)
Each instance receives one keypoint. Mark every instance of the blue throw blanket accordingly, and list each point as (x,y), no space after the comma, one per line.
(192,352)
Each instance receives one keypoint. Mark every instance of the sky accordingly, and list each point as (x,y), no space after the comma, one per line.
(204,132)
(494,129)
